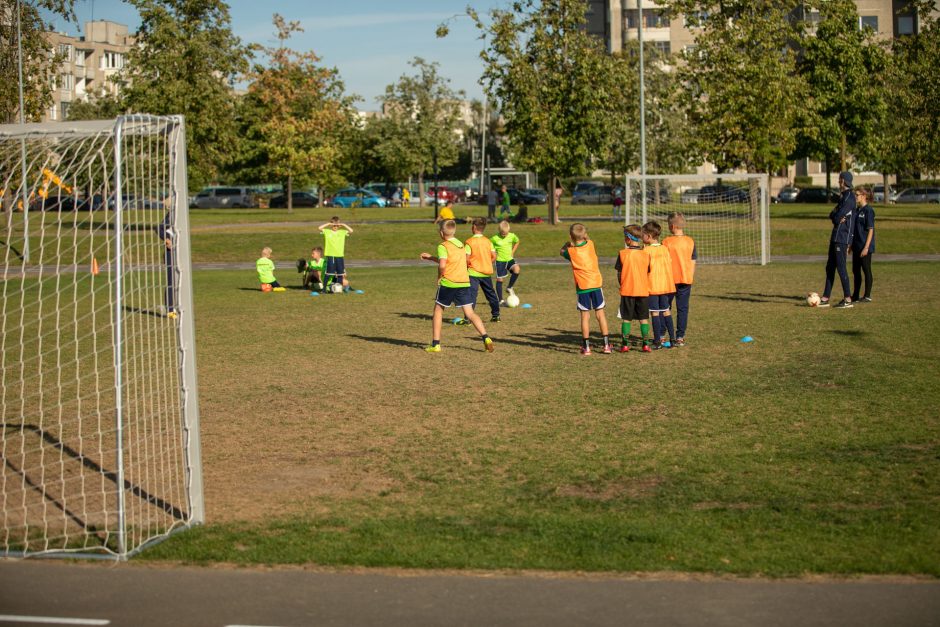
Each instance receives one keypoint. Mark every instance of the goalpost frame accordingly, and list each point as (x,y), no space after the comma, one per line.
(763,183)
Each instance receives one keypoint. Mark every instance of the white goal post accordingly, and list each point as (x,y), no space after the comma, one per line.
(99,441)
(728,215)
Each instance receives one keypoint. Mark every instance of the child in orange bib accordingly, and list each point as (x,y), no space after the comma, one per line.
(588,282)
(682,250)
(633,274)
(662,285)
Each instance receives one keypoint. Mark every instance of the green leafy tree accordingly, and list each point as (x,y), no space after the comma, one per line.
(186,62)
(100,105)
(845,107)
(742,88)
(550,81)
(423,117)
(40,65)
(298,116)
(911,142)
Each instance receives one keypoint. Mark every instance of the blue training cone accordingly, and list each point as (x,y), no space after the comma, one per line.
(527,306)
(360,292)
(457,320)
(746,339)
(314,293)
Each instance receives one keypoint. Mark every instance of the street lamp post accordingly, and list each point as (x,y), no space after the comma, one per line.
(639,32)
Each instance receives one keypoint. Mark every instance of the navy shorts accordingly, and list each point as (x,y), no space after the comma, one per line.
(502,268)
(456,296)
(335,266)
(659,303)
(591,300)
(634,308)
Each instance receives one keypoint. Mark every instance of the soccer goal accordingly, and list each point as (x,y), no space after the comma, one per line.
(728,215)
(100,451)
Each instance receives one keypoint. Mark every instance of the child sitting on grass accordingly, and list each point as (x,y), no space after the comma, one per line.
(313,269)
(265,268)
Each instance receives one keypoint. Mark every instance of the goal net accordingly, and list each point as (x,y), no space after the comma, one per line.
(100,442)
(727,215)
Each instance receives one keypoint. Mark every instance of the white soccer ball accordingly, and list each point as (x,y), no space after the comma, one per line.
(512,300)
(812,299)
(337,288)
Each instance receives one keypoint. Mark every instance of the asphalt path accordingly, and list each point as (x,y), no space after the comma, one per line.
(60,593)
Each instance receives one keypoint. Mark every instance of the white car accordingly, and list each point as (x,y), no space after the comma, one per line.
(689,196)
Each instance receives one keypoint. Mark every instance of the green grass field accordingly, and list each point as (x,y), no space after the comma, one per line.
(330,437)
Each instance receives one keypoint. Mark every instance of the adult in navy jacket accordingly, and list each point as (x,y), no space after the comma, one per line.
(840,242)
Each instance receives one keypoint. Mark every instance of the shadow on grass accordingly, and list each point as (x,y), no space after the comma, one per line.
(856,333)
(414,316)
(746,297)
(552,339)
(145,312)
(387,340)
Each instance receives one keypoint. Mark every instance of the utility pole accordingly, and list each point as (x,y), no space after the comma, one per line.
(639,32)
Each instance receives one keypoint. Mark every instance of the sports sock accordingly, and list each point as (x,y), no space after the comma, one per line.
(645,332)
(657,330)
(625,330)
(606,340)
(435,342)
(669,328)
(512,278)
(499,290)
(485,337)
(584,342)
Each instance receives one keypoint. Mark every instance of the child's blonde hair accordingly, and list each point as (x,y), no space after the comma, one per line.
(652,229)
(503,228)
(448,228)
(266,251)
(676,220)
(577,233)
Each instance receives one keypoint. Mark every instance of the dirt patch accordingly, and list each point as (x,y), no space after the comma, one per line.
(633,489)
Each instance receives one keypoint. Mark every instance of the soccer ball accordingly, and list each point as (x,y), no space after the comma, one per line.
(512,300)
(337,288)
(266,287)
(812,299)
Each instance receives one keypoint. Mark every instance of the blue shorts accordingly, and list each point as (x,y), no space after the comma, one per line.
(502,268)
(591,300)
(335,266)
(456,296)
(659,303)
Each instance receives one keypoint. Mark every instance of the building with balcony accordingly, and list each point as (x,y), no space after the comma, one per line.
(88,64)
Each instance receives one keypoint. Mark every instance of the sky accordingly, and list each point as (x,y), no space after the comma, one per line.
(370,42)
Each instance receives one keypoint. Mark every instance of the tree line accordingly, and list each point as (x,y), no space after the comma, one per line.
(760,87)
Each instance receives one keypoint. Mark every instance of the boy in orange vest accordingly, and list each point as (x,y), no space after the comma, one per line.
(453,286)
(480,262)
(682,250)
(633,274)
(662,285)
(588,282)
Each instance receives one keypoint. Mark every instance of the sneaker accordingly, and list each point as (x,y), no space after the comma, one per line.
(495,318)
(680,341)
(864,299)
(320,287)
(607,349)
(667,343)
(433,348)
(511,291)
(624,349)
(279,289)
(658,346)
(502,303)
(844,304)
(647,349)
(461,322)
(586,351)
(172,315)
(488,343)
(823,303)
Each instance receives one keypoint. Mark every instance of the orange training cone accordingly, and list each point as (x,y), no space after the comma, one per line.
(94,265)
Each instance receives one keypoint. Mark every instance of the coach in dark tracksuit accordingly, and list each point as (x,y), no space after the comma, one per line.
(840,242)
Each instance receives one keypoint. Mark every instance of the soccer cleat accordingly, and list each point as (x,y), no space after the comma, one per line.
(646,348)
(680,341)
(624,349)
(864,299)
(320,286)
(823,303)
(511,291)
(433,348)
(607,349)
(502,303)
(658,346)
(495,318)
(667,344)
(488,343)
(279,289)
(172,315)
(461,322)
(844,304)
(586,351)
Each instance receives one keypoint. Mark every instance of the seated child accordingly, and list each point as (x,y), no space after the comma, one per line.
(314,269)
(265,267)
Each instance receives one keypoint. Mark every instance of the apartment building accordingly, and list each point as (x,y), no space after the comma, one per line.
(89,62)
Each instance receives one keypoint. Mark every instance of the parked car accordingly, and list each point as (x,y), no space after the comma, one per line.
(592,195)
(299,199)
(817,194)
(357,196)
(532,196)
(787,194)
(919,194)
(878,193)
(689,196)
(215,197)
(444,194)
(583,186)
(652,198)
(722,193)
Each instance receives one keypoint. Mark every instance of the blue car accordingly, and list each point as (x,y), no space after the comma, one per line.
(357,197)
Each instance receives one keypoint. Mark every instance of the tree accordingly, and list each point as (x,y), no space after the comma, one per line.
(840,64)
(40,66)
(550,81)
(185,62)
(424,113)
(101,105)
(913,91)
(742,89)
(298,115)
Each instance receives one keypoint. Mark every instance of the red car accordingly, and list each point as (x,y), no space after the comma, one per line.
(444,194)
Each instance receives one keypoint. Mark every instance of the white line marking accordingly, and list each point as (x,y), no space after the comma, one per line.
(52,620)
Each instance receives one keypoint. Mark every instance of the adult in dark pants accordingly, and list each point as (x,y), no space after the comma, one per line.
(842,217)
(491,204)
(166,232)
(863,244)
